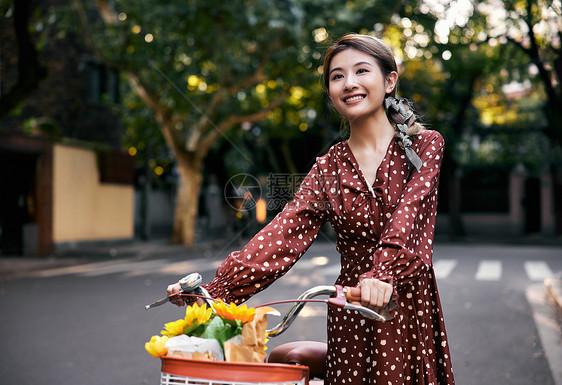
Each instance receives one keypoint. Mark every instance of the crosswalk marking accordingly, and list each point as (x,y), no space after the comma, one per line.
(489,270)
(537,270)
(444,267)
(492,270)
(486,270)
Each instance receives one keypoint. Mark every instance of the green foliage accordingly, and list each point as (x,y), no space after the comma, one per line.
(196,329)
(142,137)
(477,88)
(222,330)
(218,46)
(253,52)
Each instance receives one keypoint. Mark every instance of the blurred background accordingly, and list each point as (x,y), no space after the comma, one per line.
(124,119)
(134,129)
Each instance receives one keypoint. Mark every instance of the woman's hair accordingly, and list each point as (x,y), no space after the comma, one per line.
(383,55)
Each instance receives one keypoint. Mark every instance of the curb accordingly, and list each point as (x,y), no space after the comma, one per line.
(548,328)
(554,290)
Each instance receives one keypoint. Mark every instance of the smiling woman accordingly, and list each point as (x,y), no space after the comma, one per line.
(379,191)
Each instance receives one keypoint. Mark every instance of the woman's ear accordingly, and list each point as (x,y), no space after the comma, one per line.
(391,80)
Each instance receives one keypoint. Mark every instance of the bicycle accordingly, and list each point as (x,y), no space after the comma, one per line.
(290,363)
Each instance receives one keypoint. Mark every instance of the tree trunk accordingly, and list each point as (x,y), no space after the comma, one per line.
(187,200)
(30,71)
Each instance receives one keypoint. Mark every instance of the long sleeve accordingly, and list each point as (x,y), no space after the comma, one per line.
(275,249)
(405,248)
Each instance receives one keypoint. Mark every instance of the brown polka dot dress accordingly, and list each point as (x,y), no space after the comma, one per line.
(383,231)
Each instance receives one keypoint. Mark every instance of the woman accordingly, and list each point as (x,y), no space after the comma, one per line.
(378,189)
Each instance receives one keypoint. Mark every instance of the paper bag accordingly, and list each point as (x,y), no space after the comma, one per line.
(252,347)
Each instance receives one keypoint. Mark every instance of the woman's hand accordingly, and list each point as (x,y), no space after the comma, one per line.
(174,294)
(375,294)
(173,291)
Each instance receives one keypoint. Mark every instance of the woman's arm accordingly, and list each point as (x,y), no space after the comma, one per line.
(405,248)
(274,250)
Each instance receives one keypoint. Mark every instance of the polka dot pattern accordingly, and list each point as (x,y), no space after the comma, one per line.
(383,231)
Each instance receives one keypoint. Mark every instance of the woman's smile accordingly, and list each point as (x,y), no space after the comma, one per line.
(353,99)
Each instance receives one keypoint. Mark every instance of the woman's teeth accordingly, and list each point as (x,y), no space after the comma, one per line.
(354,98)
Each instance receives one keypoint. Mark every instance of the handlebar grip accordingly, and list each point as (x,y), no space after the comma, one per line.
(352,293)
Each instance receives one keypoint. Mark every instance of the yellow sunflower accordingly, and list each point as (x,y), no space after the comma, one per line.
(174,328)
(197,313)
(232,312)
(156,346)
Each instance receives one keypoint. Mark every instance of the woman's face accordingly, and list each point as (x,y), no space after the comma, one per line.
(357,85)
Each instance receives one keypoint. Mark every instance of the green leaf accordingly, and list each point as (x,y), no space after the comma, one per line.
(194,330)
(221,331)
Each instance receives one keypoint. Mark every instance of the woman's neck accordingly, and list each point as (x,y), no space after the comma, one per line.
(371,134)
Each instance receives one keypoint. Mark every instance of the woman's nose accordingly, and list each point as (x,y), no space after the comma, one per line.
(350,83)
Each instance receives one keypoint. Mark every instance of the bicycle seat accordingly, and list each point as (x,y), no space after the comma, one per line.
(308,353)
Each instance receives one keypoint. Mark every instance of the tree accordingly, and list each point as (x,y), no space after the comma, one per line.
(202,68)
(206,69)
(457,64)
(532,29)
(535,28)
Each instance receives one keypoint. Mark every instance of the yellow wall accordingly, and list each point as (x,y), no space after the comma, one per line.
(83,208)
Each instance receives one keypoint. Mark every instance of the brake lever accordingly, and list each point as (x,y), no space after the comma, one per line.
(340,299)
(366,312)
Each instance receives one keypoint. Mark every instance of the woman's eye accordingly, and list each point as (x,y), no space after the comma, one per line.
(362,70)
(337,76)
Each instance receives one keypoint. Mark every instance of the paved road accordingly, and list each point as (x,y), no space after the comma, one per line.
(86,324)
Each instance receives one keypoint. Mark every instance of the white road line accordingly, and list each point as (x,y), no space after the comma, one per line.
(444,267)
(331,270)
(489,270)
(537,270)
(198,265)
(127,267)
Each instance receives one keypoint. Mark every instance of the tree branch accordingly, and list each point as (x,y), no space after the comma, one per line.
(255,78)
(148,97)
(258,76)
(162,113)
(518,44)
(108,15)
(233,120)
(533,53)
(204,122)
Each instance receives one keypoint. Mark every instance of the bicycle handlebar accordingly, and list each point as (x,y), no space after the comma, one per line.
(338,296)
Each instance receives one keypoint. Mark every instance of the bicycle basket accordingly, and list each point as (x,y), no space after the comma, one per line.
(183,371)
